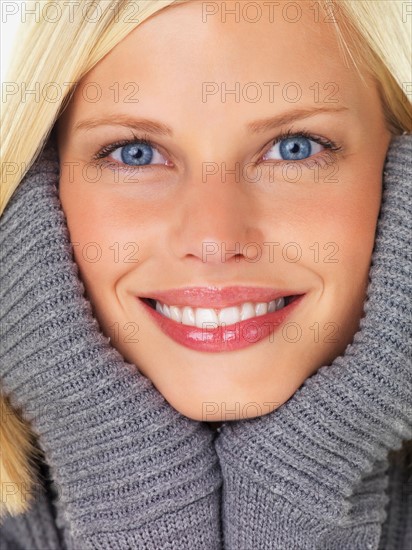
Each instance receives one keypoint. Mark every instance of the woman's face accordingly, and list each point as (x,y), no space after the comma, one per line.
(263,173)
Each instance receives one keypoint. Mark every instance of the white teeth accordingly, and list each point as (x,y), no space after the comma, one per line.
(205,316)
(226,316)
(175,313)
(229,315)
(261,308)
(188,317)
(248,311)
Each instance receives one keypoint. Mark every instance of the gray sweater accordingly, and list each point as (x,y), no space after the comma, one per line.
(122,469)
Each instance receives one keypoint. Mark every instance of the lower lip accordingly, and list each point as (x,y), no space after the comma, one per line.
(223,338)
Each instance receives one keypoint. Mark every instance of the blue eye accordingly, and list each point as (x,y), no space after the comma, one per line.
(141,151)
(136,153)
(293,148)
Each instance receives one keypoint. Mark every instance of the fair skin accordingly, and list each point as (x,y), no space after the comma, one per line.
(170,210)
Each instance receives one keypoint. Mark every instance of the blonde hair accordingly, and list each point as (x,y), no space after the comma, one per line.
(374,36)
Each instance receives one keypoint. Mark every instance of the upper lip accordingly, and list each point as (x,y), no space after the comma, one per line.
(214,297)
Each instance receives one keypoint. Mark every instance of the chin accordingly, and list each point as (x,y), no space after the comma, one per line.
(219,410)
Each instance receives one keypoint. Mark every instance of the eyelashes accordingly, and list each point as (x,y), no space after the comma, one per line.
(321,159)
(104,152)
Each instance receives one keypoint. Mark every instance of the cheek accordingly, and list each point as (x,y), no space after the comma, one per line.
(353,205)
(111,235)
(346,224)
(357,209)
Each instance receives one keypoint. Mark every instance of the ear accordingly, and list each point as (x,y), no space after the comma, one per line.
(18,477)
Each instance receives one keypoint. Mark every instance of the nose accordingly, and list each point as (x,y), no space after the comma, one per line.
(215,221)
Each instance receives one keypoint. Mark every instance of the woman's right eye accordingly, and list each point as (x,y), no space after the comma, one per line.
(137,153)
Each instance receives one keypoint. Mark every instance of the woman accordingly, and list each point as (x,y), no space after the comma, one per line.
(230,265)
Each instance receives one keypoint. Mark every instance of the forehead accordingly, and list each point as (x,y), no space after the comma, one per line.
(277,53)
(193,33)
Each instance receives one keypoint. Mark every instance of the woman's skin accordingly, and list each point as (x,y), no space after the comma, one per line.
(165,214)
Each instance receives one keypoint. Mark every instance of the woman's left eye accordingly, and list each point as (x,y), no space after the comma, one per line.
(293,148)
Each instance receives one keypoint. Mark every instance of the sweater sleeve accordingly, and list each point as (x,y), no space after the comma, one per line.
(131,471)
(311,474)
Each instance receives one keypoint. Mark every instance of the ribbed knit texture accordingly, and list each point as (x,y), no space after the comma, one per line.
(397,529)
(130,471)
(311,474)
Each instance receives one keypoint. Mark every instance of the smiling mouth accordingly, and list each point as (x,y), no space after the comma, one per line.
(198,316)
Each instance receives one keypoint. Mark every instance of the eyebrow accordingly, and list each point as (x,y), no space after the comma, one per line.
(259,126)
(153,127)
(142,124)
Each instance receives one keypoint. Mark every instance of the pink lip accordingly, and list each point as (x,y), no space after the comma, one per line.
(213,297)
(224,338)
